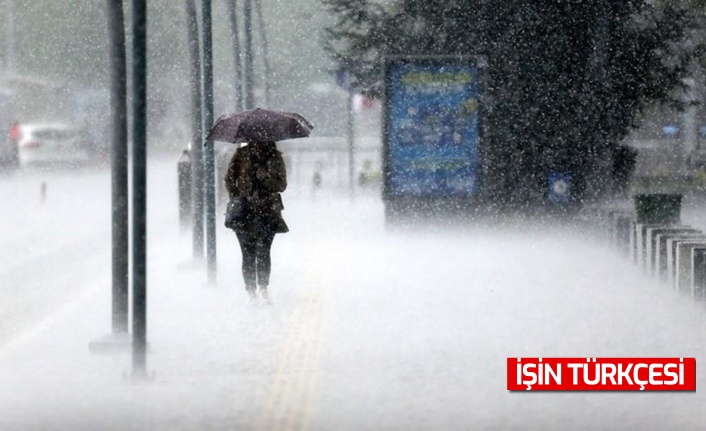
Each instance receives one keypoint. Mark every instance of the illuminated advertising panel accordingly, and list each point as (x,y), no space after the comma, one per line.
(431,128)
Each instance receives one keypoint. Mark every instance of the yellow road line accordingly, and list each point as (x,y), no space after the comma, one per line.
(311,390)
(293,388)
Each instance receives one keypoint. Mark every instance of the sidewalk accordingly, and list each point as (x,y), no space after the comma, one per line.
(368,330)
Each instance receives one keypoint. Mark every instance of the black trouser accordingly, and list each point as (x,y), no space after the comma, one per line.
(255,247)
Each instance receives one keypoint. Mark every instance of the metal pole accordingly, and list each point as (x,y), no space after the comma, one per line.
(603,75)
(209,165)
(139,188)
(247,51)
(196,148)
(350,136)
(10,52)
(119,166)
(184,183)
(265,49)
(237,55)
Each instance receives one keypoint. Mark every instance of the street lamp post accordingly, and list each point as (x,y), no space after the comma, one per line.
(119,338)
(265,49)
(197,198)
(237,64)
(10,52)
(209,177)
(139,188)
(247,54)
(119,167)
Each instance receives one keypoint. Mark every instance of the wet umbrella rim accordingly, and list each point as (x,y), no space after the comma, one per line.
(306,124)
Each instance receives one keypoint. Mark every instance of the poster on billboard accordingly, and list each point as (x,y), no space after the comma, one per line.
(431,126)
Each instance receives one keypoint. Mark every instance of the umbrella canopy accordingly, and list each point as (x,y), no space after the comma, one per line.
(259,125)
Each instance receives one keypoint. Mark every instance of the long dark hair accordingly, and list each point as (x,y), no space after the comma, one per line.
(263,151)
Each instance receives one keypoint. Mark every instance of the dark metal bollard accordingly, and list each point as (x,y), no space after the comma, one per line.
(661,254)
(684,265)
(184,176)
(655,250)
(699,275)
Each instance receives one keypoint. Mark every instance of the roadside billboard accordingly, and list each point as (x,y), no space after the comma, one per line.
(431,128)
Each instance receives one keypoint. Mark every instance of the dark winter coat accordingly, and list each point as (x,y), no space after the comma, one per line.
(257,171)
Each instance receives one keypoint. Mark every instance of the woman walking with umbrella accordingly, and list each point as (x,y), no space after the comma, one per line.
(257,172)
(255,177)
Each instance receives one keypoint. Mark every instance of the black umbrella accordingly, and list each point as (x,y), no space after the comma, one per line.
(259,125)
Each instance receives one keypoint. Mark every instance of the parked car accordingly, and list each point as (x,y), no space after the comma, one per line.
(51,143)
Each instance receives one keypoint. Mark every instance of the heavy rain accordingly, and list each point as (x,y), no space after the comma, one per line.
(461,194)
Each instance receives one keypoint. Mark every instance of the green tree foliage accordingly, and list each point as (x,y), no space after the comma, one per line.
(567,79)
